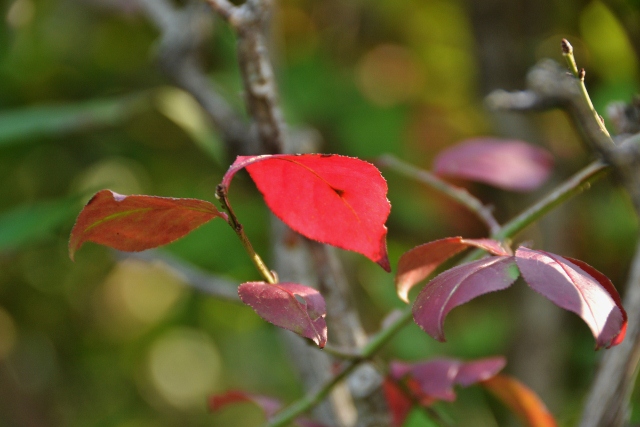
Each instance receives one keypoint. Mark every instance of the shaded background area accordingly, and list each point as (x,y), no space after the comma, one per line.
(102,342)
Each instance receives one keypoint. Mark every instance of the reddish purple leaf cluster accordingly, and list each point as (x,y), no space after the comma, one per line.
(570,284)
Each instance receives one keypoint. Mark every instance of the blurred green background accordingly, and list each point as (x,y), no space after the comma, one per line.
(83,106)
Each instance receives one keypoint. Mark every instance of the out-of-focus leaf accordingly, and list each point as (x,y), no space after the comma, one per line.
(18,125)
(577,287)
(521,400)
(333,199)
(28,223)
(268,405)
(425,383)
(459,285)
(418,263)
(181,108)
(135,223)
(479,370)
(507,164)
(398,402)
(291,306)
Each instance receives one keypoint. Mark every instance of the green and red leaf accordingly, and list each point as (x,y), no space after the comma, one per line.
(135,223)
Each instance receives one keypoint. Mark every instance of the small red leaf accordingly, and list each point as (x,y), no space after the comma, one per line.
(136,223)
(479,370)
(268,405)
(460,285)
(418,263)
(436,378)
(577,287)
(398,402)
(521,400)
(333,199)
(507,164)
(291,306)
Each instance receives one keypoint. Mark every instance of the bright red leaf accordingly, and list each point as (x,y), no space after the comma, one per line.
(459,285)
(507,164)
(521,400)
(291,306)
(577,287)
(136,223)
(329,198)
(418,263)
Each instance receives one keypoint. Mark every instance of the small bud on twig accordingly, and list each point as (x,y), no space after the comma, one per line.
(581,74)
(567,49)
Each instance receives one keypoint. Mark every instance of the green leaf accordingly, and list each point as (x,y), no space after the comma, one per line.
(30,122)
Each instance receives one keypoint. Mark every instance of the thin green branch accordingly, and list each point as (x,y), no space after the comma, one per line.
(567,52)
(221,194)
(457,194)
(571,187)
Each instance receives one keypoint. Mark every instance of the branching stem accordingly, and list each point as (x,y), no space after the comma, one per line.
(457,194)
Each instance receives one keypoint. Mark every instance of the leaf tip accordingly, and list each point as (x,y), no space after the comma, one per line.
(384,263)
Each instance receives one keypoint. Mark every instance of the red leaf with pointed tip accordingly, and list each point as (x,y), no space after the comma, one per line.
(136,223)
(332,199)
(521,400)
(507,164)
(291,306)
(268,405)
(398,402)
(577,287)
(459,285)
(418,263)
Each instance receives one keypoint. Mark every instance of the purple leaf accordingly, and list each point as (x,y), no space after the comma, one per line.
(436,378)
(460,285)
(291,306)
(507,164)
(577,287)
(418,263)
(479,370)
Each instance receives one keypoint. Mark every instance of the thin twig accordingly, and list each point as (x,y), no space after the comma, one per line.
(567,52)
(460,195)
(221,194)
